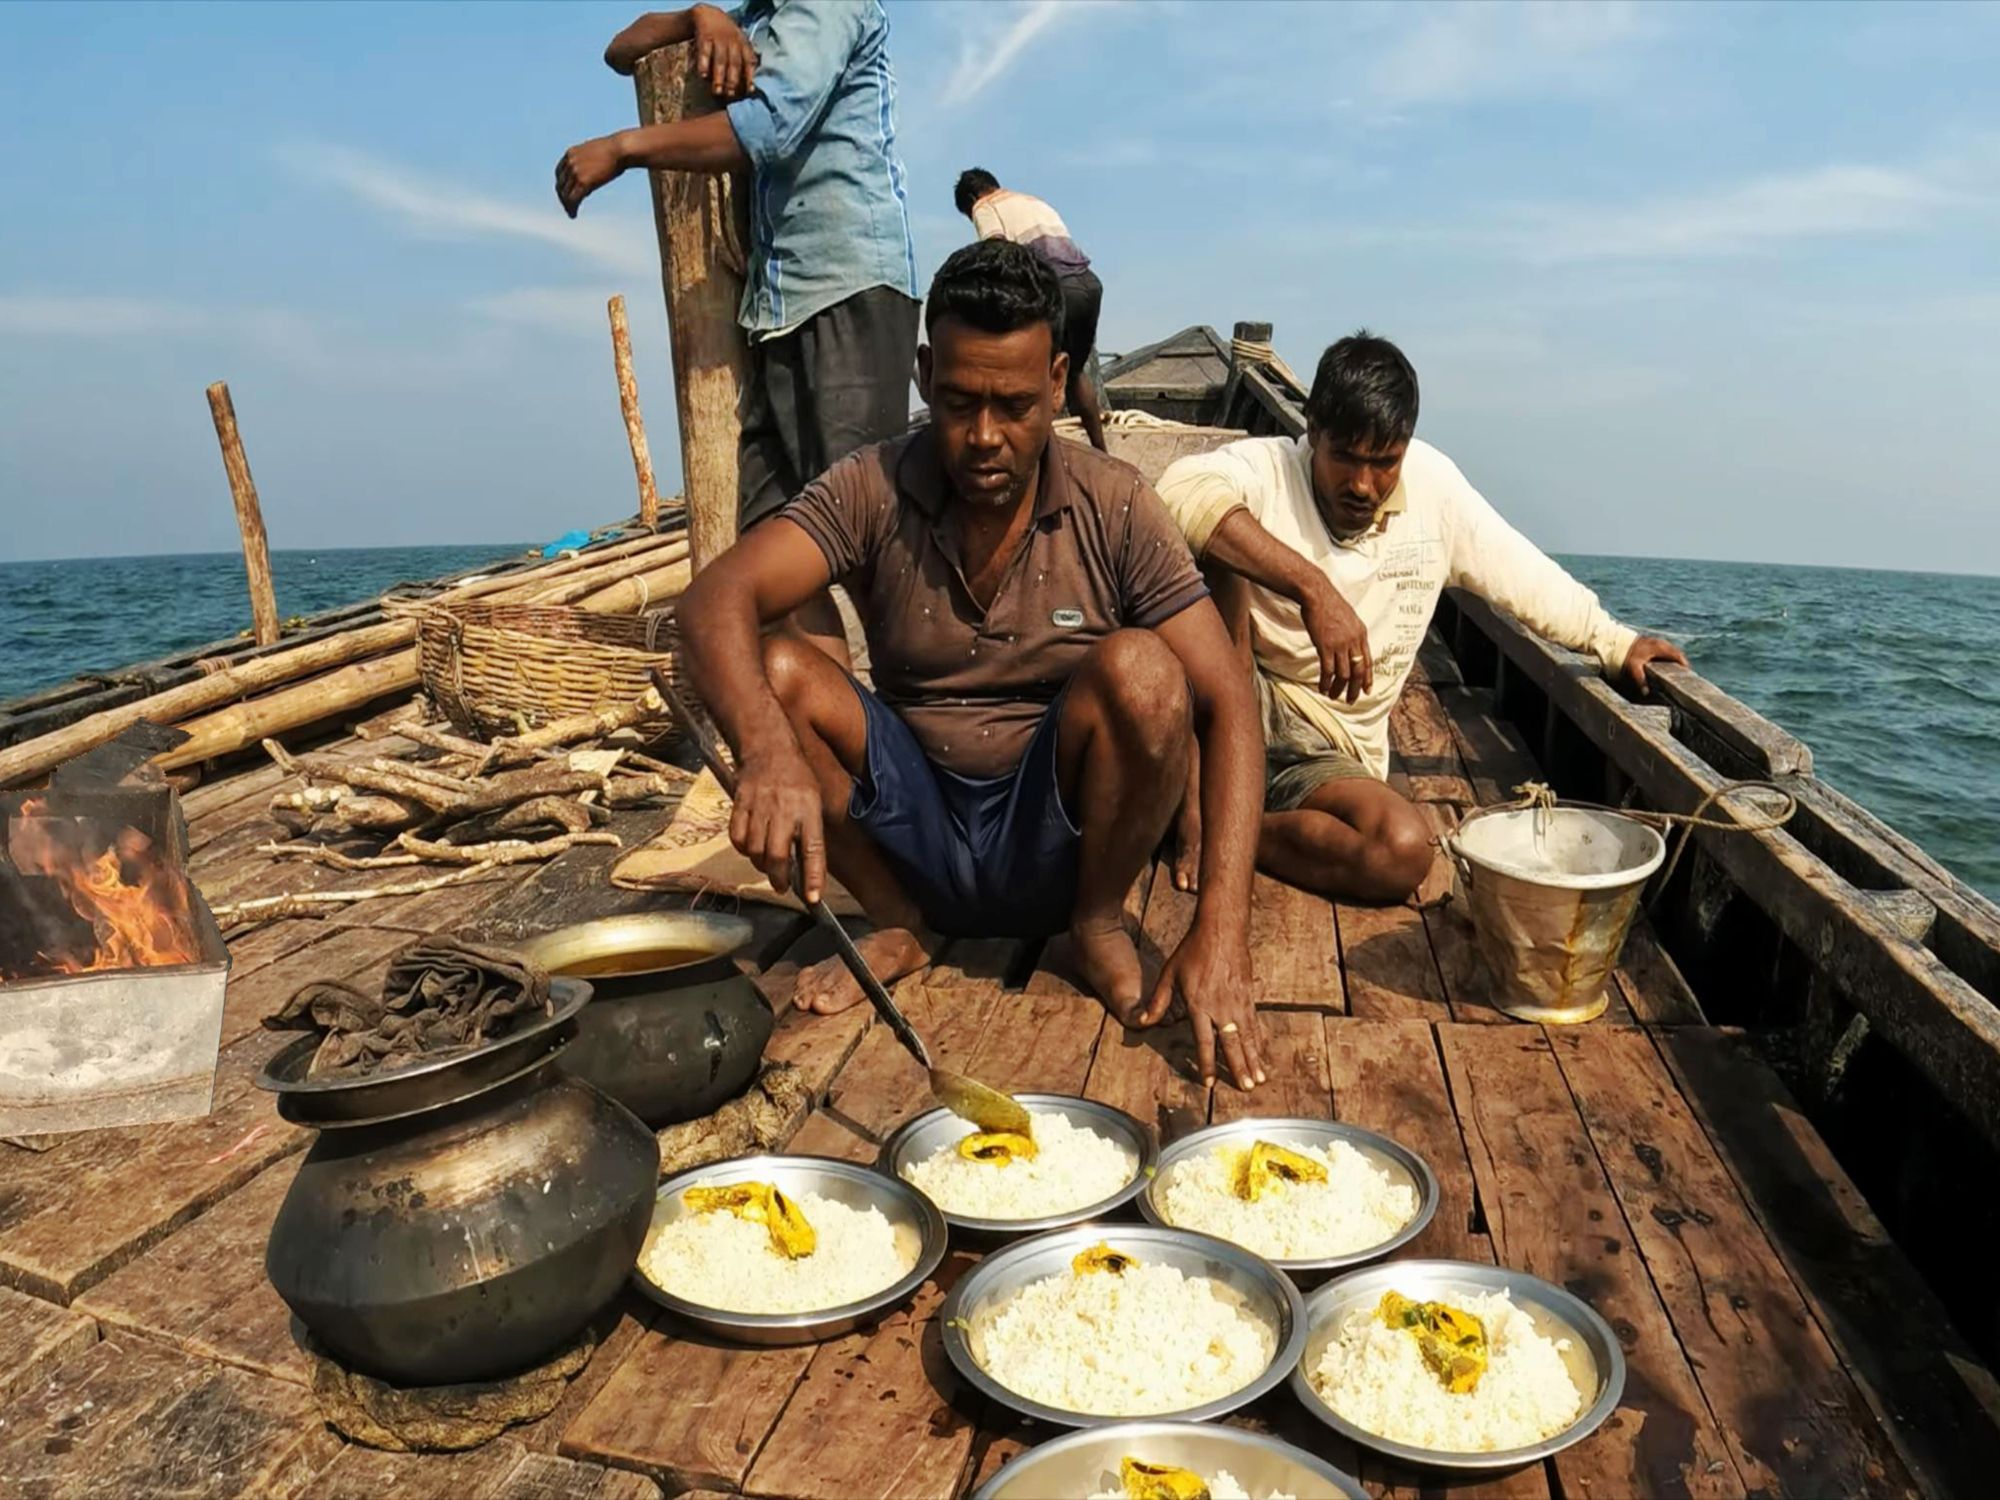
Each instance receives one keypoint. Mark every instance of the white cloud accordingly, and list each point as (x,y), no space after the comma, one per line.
(1734,219)
(440,209)
(1457,50)
(59,315)
(558,309)
(985,52)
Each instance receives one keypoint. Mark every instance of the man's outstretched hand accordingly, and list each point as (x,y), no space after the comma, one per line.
(1211,974)
(723,56)
(585,168)
(1645,650)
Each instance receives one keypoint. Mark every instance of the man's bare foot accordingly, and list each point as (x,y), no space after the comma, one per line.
(893,953)
(1109,964)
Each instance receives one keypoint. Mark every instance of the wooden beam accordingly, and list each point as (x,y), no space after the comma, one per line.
(635,424)
(1767,748)
(703,226)
(249,516)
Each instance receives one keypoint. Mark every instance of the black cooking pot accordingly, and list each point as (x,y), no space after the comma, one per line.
(459,1219)
(675,1028)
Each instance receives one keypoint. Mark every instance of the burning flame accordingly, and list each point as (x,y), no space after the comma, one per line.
(134,901)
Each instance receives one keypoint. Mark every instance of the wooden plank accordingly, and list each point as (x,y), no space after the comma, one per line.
(1293,949)
(203,1289)
(35,1337)
(1390,971)
(1295,1078)
(1551,1212)
(1440,667)
(723,1404)
(127,1417)
(1151,1076)
(623,1325)
(1041,1041)
(72,1215)
(874,1414)
(1766,750)
(1385,1076)
(501,1470)
(1795,1420)
(1936,1397)
(1496,758)
(1655,992)
(1425,764)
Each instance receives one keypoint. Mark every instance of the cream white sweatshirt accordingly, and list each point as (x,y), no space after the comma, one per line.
(1434,532)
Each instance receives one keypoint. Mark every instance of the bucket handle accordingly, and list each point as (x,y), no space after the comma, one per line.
(1448,842)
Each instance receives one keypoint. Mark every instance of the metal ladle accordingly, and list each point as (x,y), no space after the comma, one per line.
(968,1098)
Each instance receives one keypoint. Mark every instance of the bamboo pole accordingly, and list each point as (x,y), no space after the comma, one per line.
(32,758)
(634,596)
(249,516)
(581,585)
(702,226)
(231,729)
(635,424)
(536,577)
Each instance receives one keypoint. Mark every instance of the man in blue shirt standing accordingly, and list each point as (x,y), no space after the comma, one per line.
(830,299)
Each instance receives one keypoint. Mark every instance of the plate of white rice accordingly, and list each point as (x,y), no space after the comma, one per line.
(1369,1197)
(875,1241)
(1552,1370)
(1089,1160)
(1236,1465)
(1188,1327)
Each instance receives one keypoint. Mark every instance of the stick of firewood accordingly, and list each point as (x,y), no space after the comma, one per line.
(314,903)
(503,851)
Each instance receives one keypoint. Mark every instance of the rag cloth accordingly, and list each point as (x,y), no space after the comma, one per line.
(439,996)
(441,1418)
(693,853)
(761,1118)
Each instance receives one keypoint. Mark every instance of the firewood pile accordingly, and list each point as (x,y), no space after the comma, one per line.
(456,803)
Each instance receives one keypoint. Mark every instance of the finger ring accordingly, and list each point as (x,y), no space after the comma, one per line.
(1228,1028)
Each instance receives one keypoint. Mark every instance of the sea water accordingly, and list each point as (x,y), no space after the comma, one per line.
(1890,677)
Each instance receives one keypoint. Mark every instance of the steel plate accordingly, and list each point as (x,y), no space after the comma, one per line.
(1084,1463)
(1596,1362)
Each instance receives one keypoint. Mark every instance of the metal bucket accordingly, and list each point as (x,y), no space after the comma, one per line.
(1552,894)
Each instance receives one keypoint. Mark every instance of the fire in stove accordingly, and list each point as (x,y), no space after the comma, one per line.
(112,971)
(91,896)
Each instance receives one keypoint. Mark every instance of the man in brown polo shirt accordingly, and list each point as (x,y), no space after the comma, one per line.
(1041,642)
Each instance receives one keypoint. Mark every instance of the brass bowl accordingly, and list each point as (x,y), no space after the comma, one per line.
(674,1028)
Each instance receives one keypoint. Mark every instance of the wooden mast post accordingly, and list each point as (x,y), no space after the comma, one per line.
(635,425)
(702,225)
(249,516)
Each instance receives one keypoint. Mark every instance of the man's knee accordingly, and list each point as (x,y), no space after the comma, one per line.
(1142,688)
(1405,848)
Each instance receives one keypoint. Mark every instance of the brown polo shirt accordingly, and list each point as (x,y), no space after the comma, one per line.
(1102,555)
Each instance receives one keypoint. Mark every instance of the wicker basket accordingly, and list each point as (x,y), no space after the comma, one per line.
(493,669)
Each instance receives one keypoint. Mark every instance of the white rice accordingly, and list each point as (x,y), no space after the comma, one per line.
(1223,1486)
(1138,1344)
(1357,1207)
(1072,1168)
(1375,1376)
(719,1260)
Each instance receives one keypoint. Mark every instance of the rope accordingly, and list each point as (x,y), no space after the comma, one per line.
(1261,352)
(1540,796)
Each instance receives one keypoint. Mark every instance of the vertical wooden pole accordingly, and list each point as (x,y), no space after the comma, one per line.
(703,227)
(635,425)
(249,516)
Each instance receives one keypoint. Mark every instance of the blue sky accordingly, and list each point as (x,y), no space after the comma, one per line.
(1699,281)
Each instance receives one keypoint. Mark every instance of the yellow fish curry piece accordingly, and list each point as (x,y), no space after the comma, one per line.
(1265,1164)
(1453,1341)
(1144,1481)
(997,1147)
(1102,1258)
(760,1203)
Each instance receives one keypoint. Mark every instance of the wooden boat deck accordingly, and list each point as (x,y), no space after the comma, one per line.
(1779,1343)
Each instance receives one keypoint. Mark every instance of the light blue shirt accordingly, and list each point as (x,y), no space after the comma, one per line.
(829,211)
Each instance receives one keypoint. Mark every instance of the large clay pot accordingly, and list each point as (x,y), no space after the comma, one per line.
(675,1029)
(476,1230)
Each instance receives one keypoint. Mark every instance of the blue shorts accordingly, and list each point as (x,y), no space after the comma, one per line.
(981,858)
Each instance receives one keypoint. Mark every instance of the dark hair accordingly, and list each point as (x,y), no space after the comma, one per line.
(998,287)
(1364,391)
(972,186)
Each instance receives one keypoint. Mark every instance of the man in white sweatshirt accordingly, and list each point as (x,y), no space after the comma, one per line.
(1327,554)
